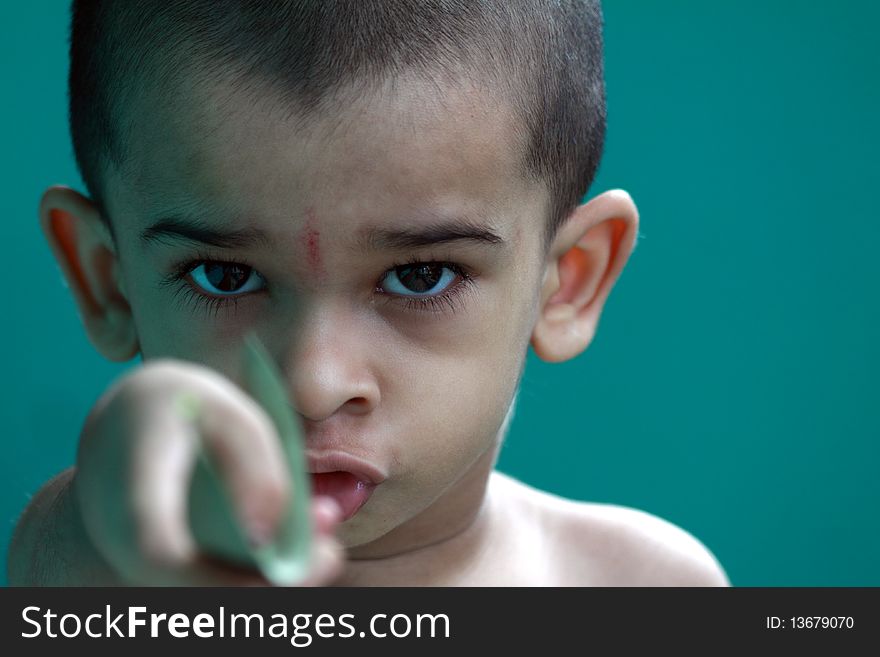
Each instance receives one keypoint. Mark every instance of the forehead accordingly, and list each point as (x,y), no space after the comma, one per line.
(405,147)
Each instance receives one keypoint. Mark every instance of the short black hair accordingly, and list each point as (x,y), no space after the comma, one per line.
(547,52)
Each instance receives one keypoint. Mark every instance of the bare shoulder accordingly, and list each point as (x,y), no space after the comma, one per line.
(609,545)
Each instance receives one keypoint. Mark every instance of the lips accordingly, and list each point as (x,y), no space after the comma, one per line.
(349,480)
(349,492)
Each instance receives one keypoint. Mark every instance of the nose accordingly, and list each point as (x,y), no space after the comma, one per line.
(328,365)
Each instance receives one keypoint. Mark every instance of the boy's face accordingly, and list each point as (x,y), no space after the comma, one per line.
(410,369)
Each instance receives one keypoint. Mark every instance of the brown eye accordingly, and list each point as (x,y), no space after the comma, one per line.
(225,278)
(419,279)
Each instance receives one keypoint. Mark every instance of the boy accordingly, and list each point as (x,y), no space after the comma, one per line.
(387,194)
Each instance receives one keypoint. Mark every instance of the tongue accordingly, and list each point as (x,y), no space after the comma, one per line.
(349,492)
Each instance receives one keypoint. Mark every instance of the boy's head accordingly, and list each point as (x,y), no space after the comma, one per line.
(385,191)
(541,59)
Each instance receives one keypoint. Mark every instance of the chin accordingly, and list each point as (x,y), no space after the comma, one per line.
(360,531)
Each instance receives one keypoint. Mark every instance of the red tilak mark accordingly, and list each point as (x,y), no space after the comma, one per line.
(311,237)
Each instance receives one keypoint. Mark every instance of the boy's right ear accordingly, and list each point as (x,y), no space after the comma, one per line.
(86,252)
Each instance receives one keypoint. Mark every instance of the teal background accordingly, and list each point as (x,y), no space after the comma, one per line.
(732,385)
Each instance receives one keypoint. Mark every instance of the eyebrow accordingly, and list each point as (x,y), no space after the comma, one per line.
(440,232)
(176,229)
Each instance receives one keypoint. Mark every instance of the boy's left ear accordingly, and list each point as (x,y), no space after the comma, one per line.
(583,263)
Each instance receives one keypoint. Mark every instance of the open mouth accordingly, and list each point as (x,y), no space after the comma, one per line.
(349,491)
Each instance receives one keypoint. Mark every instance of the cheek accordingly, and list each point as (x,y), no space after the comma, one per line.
(169,328)
(452,410)
(456,398)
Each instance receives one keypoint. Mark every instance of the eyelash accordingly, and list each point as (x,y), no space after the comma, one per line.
(185,293)
(446,301)
(450,297)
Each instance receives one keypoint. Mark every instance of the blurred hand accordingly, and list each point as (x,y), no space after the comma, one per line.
(135,462)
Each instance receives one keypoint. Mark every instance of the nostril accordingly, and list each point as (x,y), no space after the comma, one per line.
(358,404)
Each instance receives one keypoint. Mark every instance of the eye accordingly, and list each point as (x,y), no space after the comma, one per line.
(225,278)
(421,279)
